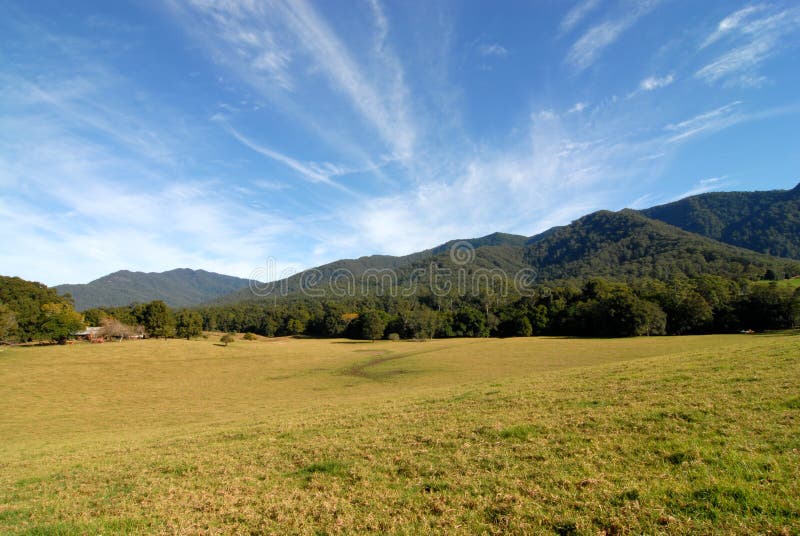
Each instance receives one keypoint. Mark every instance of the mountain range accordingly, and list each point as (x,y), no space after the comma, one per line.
(733,234)
(177,288)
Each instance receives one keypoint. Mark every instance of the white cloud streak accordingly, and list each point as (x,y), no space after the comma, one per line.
(578,107)
(713,120)
(390,117)
(556,174)
(585,51)
(575,15)
(652,83)
(757,39)
(730,23)
(703,186)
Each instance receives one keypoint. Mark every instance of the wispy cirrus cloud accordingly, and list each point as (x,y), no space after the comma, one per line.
(755,39)
(391,116)
(577,14)
(98,174)
(596,39)
(560,170)
(240,26)
(88,207)
(306,171)
(712,120)
(283,39)
(731,23)
(653,82)
(323,173)
(703,186)
(82,101)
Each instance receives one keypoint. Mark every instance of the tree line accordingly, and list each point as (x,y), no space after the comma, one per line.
(596,308)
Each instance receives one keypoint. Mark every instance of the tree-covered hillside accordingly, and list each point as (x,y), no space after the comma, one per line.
(177,288)
(627,245)
(620,246)
(767,222)
(30,311)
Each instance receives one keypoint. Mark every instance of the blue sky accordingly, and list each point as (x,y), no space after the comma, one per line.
(218,134)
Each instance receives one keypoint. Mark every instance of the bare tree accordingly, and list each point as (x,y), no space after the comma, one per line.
(113,328)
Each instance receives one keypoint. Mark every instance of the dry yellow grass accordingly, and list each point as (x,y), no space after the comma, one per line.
(572,436)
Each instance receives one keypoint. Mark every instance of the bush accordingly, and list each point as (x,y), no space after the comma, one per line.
(250,337)
(227,339)
(393,337)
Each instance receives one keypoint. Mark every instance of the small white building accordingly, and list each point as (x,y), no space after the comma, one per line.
(91,333)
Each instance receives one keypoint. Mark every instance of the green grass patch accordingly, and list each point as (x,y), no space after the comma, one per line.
(327,467)
(521,432)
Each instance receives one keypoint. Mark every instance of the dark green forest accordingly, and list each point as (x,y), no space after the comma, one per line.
(767,222)
(32,311)
(598,308)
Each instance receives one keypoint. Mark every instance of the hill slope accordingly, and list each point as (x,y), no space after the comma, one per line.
(626,244)
(497,250)
(767,222)
(178,288)
(615,245)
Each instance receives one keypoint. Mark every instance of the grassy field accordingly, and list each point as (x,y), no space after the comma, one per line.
(793,283)
(689,435)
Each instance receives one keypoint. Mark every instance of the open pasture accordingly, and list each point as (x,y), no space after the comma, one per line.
(536,435)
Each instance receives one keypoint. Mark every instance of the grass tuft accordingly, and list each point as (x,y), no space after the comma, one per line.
(521,432)
(327,467)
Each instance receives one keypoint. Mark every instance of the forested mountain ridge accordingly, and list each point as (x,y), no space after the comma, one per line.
(497,250)
(622,246)
(181,287)
(626,245)
(724,234)
(766,221)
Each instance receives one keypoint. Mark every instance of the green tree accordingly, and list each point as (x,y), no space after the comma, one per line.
(25,300)
(60,322)
(158,319)
(295,326)
(687,310)
(227,339)
(767,307)
(94,317)
(188,324)
(469,322)
(421,323)
(795,308)
(8,323)
(539,319)
(373,324)
(523,327)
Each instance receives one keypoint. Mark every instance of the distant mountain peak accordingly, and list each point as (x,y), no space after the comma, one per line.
(180,287)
